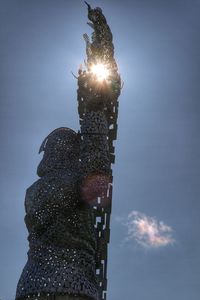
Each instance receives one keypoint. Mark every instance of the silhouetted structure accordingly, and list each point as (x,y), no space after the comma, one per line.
(68,208)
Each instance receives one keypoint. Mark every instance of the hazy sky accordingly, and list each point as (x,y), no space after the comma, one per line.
(155,237)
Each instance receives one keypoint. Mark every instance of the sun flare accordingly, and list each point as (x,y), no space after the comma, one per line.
(100,71)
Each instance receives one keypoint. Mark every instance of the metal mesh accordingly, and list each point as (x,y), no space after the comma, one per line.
(68,208)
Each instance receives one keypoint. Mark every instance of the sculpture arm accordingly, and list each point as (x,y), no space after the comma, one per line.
(97,105)
(95,158)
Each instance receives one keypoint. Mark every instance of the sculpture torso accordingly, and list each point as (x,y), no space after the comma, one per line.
(62,241)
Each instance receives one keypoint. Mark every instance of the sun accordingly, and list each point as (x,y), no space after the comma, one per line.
(100,71)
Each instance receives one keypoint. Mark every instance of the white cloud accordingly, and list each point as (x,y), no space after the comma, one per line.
(147,231)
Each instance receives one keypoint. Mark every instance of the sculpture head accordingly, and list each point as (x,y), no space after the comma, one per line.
(61,151)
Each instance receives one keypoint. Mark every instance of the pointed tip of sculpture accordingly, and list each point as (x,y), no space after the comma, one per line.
(88,5)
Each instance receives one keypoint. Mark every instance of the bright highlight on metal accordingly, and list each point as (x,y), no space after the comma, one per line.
(100,71)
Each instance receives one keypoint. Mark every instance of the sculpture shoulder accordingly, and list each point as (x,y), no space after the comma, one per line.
(56,187)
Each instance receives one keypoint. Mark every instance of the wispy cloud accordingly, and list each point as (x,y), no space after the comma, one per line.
(147,231)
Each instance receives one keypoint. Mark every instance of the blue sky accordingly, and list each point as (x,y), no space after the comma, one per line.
(157,169)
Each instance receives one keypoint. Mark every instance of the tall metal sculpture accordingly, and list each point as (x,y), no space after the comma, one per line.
(68,208)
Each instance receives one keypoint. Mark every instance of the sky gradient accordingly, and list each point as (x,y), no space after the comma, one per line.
(157,169)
